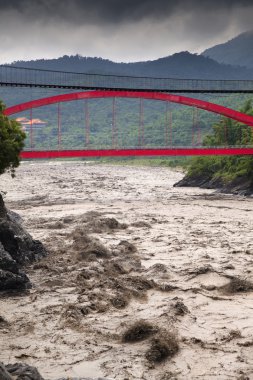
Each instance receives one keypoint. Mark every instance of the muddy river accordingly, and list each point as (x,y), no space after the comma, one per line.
(126,247)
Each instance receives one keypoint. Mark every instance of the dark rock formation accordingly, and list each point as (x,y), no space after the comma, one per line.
(205,182)
(17,248)
(4,375)
(21,371)
(241,185)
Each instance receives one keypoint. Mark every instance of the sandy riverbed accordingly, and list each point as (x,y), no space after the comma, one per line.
(71,322)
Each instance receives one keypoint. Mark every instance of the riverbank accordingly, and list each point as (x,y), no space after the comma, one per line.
(176,162)
(126,246)
(241,185)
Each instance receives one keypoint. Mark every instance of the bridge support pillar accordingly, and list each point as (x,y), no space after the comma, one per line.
(87,122)
(196,137)
(168,125)
(114,128)
(166,132)
(59,126)
(31,129)
(141,124)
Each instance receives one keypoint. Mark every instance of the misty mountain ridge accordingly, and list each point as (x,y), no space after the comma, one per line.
(237,51)
(180,65)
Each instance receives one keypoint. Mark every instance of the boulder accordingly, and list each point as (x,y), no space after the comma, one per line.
(17,248)
(21,371)
(4,375)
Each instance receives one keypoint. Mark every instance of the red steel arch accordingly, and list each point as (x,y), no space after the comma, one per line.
(202,104)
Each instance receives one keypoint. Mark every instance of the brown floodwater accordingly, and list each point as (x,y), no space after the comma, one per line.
(69,323)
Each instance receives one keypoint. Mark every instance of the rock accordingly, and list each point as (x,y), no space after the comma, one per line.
(201,181)
(84,378)
(14,217)
(11,277)
(3,210)
(20,371)
(17,248)
(6,261)
(18,243)
(4,375)
(12,281)
(242,185)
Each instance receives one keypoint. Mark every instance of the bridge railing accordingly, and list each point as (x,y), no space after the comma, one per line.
(28,77)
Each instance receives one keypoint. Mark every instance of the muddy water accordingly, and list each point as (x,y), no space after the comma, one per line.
(202,240)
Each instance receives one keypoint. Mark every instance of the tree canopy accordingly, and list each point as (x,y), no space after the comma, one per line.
(226,133)
(11,143)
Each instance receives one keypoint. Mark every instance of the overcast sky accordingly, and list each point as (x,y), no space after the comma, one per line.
(123,31)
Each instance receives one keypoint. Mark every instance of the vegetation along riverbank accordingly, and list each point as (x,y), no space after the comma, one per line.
(229,174)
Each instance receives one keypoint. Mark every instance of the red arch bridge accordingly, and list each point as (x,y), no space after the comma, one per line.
(142,149)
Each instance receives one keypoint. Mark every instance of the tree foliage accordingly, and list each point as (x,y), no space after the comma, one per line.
(11,143)
(227,168)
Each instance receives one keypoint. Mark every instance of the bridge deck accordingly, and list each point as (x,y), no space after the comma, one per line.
(12,76)
(179,151)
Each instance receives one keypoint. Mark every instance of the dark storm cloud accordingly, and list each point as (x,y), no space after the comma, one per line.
(115,11)
(121,30)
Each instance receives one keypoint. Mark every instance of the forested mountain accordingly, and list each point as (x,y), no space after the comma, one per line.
(180,65)
(237,52)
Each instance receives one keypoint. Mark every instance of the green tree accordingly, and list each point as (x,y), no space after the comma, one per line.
(11,143)
(226,168)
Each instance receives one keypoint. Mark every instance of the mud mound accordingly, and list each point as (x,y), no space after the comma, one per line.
(107,283)
(3,323)
(107,278)
(72,315)
(141,224)
(237,285)
(118,268)
(180,308)
(110,224)
(139,331)
(201,270)
(163,346)
(166,287)
(169,376)
(126,247)
(157,268)
(58,225)
(243,377)
(95,223)
(139,283)
(87,248)
(119,301)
